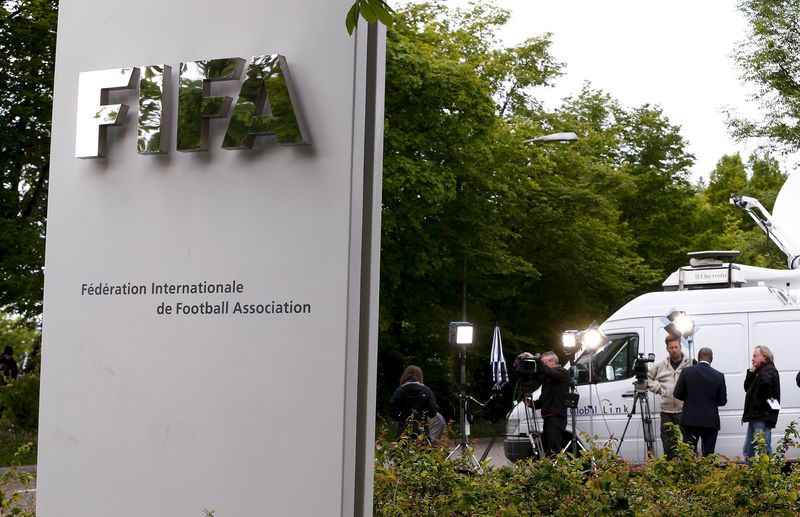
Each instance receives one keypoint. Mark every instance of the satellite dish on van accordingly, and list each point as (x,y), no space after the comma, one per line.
(786,212)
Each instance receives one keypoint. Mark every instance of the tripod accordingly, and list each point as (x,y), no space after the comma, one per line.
(463,411)
(572,403)
(534,433)
(640,394)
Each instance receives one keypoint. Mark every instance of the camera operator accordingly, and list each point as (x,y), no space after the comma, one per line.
(555,389)
(663,377)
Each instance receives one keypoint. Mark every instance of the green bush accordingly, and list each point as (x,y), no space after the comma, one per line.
(17,447)
(19,403)
(413,478)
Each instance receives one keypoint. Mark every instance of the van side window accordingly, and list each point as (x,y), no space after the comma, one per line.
(612,363)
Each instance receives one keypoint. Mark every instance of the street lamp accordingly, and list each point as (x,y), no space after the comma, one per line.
(554,137)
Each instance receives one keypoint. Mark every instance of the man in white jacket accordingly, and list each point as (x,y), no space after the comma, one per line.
(663,377)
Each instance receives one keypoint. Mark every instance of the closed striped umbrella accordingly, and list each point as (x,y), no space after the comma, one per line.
(499,371)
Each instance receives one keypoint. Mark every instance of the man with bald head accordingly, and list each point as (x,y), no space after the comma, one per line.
(702,390)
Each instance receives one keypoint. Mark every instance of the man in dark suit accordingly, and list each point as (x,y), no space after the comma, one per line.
(703,391)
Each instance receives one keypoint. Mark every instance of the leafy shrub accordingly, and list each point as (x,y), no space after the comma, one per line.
(13,501)
(19,402)
(414,478)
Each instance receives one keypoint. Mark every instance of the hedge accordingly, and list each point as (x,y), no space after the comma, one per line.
(413,478)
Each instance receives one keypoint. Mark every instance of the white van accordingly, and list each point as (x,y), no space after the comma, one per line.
(734,307)
(730,320)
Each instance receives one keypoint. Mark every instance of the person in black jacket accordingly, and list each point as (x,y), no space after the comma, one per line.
(412,403)
(8,365)
(555,388)
(703,390)
(763,387)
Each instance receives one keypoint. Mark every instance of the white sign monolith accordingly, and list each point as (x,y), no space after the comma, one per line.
(209,328)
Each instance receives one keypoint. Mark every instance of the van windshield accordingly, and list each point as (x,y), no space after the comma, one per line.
(610,363)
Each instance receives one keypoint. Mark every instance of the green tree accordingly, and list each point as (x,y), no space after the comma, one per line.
(544,237)
(27,45)
(768,60)
(723,226)
(729,178)
(766,179)
(448,175)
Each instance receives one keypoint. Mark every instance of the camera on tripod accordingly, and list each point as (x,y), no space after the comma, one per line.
(640,370)
(526,363)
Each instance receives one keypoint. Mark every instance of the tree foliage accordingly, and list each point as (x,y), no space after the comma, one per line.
(539,237)
(27,45)
(768,61)
(536,238)
(726,227)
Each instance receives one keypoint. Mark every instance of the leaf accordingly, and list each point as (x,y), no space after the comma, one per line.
(367,12)
(352,17)
(382,11)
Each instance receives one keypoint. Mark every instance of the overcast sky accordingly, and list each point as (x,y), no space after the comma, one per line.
(675,54)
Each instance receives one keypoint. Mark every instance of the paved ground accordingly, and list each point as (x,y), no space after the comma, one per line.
(496,456)
(27,492)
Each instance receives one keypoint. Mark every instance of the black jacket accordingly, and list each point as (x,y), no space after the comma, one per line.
(702,389)
(8,368)
(412,398)
(555,388)
(761,385)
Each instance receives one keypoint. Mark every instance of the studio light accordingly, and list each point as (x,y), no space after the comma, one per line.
(590,339)
(461,334)
(679,324)
(460,338)
(593,338)
(569,340)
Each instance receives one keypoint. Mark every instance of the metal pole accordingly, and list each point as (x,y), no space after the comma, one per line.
(464,292)
(591,397)
(463,415)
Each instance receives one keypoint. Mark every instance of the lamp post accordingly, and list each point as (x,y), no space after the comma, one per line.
(554,137)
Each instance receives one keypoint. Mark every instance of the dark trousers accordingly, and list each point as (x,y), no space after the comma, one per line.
(706,435)
(667,438)
(553,433)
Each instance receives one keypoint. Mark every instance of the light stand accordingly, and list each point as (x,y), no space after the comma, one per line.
(592,339)
(569,341)
(572,403)
(461,336)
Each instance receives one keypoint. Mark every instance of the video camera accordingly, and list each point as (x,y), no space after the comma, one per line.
(640,370)
(525,363)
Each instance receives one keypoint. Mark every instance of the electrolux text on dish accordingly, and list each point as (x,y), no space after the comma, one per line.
(128,288)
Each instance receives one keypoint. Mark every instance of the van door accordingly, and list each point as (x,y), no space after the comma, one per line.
(605,384)
(780,332)
(726,335)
